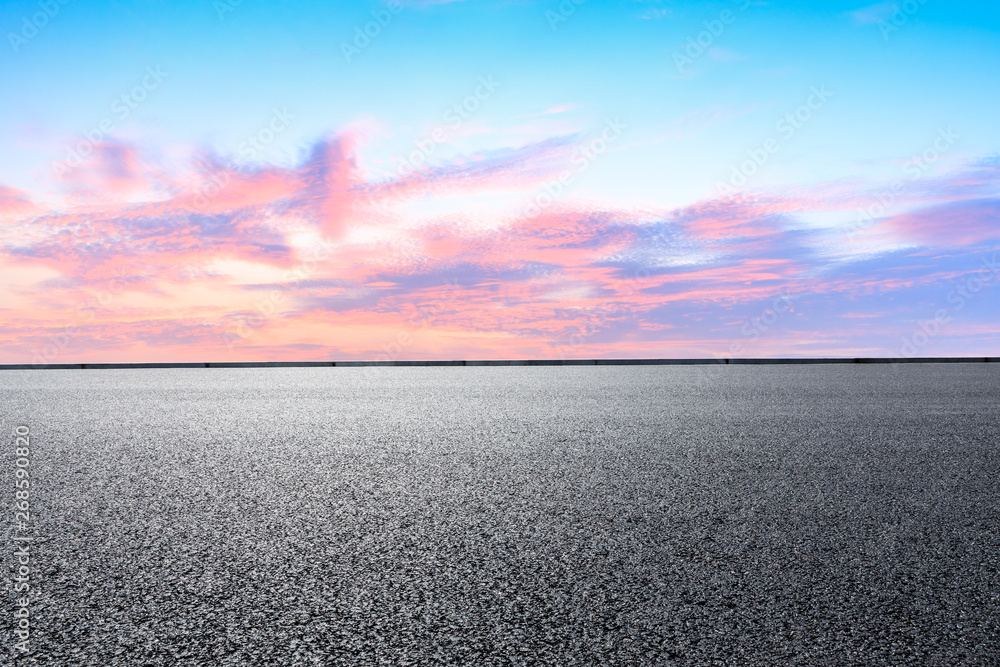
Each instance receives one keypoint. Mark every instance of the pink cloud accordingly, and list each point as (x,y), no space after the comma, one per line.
(128,265)
(953,224)
(14,203)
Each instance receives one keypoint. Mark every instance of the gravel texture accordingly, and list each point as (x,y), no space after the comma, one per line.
(744,515)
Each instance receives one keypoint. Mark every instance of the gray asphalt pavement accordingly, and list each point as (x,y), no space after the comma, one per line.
(744,515)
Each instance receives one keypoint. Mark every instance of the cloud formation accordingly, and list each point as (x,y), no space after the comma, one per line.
(207,261)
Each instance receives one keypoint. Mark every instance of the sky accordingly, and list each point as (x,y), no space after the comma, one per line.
(288,180)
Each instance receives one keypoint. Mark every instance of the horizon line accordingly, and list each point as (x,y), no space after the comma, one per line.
(503,362)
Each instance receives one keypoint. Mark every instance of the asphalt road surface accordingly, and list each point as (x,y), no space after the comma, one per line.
(744,515)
